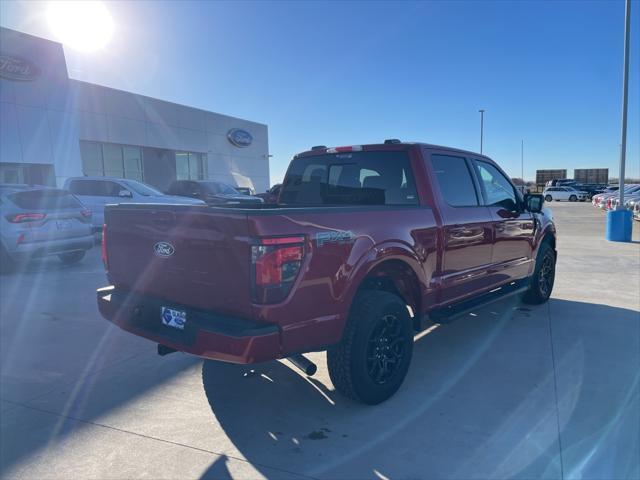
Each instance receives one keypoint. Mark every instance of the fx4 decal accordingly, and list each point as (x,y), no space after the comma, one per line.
(334,237)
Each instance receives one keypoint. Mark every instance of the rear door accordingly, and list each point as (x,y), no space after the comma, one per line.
(513,226)
(467,228)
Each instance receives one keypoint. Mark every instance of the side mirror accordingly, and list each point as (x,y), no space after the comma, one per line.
(125,194)
(533,202)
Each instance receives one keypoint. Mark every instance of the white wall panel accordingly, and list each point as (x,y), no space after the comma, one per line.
(160,112)
(126,130)
(64,143)
(124,104)
(162,136)
(10,148)
(92,126)
(192,118)
(34,135)
(6,91)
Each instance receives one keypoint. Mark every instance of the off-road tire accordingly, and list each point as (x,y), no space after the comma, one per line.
(349,361)
(538,291)
(548,198)
(70,258)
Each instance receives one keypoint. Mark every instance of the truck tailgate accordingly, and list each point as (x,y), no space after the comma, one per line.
(206,264)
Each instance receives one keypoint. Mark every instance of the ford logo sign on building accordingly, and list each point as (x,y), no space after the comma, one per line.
(17,68)
(164,249)
(240,138)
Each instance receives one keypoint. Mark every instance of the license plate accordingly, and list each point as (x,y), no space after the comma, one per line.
(174,318)
(63,224)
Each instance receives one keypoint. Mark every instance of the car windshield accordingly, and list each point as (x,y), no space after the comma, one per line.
(142,188)
(217,187)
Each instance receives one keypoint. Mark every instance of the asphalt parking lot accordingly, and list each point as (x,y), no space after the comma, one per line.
(511,391)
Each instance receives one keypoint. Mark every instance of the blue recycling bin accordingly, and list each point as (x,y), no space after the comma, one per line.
(619,225)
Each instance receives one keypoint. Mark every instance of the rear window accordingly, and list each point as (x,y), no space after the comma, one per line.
(353,178)
(44,200)
(96,188)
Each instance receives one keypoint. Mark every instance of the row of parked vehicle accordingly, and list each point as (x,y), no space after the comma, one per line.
(571,191)
(610,199)
(37,221)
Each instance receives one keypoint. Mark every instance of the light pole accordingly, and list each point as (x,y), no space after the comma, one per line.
(619,228)
(625,100)
(481,128)
(522,161)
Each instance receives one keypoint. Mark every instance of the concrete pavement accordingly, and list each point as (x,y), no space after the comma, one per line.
(512,391)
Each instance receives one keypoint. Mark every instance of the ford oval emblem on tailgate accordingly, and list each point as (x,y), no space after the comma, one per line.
(164,249)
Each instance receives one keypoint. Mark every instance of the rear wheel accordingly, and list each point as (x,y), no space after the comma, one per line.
(370,363)
(70,258)
(543,276)
(573,198)
(548,198)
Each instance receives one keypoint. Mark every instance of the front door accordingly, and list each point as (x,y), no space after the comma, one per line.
(513,226)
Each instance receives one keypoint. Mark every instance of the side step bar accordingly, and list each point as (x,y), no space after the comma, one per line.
(450,313)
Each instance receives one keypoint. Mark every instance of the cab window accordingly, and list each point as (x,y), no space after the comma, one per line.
(455,181)
(497,189)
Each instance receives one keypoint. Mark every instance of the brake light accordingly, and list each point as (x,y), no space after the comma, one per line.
(275,262)
(352,148)
(105,259)
(26,217)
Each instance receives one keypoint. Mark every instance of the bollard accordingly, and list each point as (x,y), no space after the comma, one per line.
(619,225)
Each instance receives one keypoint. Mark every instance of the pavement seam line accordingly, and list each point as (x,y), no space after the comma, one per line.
(555,389)
(177,444)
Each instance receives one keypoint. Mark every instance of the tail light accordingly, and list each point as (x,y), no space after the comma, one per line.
(105,259)
(26,217)
(275,265)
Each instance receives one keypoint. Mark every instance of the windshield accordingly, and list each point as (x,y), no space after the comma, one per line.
(353,178)
(142,188)
(217,187)
(44,200)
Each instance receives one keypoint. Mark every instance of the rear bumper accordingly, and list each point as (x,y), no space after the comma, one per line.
(25,251)
(205,334)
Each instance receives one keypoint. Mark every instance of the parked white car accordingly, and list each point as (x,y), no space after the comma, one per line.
(96,192)
(564,193)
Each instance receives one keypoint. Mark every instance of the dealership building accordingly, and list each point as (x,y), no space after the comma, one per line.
(53,127)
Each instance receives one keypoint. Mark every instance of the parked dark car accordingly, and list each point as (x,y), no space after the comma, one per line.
(213,193)
(245,190)
(364,243)
(39,221)
(271,195)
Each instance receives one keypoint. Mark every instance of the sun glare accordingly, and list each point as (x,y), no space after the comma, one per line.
(82,25)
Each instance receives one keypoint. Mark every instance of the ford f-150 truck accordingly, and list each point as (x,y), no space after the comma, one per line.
(364,243)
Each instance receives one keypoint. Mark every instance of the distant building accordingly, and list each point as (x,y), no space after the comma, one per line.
(53,127)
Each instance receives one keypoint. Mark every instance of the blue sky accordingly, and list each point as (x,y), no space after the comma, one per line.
(341,73)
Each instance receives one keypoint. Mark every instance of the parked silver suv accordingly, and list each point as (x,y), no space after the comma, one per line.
(97,192)
(39,221)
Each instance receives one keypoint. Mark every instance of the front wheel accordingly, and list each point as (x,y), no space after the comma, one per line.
(548,198)
(543,276)
(70,258)
(573,198)
(371,361)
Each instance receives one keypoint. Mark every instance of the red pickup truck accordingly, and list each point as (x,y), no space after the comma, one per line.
(364,243)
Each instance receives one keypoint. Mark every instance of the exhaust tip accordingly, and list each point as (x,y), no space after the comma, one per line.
(304,364)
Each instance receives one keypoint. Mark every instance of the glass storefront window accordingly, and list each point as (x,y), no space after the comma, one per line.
(113,165)
(132,162)
(182,166)
(91,153)
(190,166)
